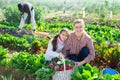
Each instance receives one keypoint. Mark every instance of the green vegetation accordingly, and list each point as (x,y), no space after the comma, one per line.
(88,72)
(25,53)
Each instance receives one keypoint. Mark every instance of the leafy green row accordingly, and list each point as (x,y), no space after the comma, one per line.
(107,55)
(28,43)
(103,33)
(98,33)
(27,63)
(32,64)
(88,72)
(14,43)
(3,54)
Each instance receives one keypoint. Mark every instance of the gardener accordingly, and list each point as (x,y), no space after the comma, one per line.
(79,45)
(26,9)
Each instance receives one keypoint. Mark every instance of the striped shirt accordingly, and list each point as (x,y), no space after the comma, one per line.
(73,46)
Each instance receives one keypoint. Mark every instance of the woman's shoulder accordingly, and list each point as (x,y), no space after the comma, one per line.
(88,37)
(72,34)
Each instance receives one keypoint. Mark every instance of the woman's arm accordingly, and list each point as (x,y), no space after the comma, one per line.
(91,54)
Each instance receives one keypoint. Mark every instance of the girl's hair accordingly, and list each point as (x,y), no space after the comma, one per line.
(78,21)
(54,41)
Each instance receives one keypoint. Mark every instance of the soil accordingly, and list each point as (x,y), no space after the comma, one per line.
(20,33)
(100,66)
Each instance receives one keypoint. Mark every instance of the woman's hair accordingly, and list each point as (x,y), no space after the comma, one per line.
(78,21)
(82,22)
(54,41)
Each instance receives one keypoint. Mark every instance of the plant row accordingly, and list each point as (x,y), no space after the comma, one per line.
(27,43)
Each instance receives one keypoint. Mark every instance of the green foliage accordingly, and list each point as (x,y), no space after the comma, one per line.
(86,72)
(44,42)
(102,15)
(112,23)
(12,14)
(113,56)
(107,55)
(35,46)
(54,27)
(105,22)
(113,77)
(2,3)
(6,24)
(102,21)
(9,78)
(13,42)
(6,63)
(3,55)
(27,63)
(5,78)
(29,38)
(100,33)
(44,73)
(38,14)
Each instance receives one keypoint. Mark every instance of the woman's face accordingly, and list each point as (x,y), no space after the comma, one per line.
(78,27)
(63,35)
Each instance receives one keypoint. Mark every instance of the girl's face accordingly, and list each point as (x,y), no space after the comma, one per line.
(78,27)
(63,35)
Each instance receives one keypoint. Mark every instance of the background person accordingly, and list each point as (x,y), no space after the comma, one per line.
(26,9)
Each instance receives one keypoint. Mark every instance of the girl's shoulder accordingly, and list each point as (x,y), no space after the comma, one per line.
(50,41)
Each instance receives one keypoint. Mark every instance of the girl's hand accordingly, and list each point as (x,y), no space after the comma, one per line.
(60,55)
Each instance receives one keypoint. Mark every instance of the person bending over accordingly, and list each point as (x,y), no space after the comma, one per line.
(26,9)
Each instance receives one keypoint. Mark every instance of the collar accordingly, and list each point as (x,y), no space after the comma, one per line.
(60,41)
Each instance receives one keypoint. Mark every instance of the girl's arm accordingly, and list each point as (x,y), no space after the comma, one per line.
(50,54)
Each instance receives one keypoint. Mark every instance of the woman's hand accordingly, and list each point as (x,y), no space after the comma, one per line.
(80,63)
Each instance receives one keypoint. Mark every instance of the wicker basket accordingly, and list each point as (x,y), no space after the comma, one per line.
(62,75)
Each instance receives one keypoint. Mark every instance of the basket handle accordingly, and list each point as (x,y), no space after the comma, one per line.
(63,60)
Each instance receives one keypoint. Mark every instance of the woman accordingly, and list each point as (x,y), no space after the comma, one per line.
(79,46)
(56,45)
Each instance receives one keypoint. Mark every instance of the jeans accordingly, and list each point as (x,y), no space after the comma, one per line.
(81,56)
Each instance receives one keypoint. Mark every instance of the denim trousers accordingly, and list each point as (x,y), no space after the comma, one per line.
(79,57)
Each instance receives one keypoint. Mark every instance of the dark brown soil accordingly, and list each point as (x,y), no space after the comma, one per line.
(20,33)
